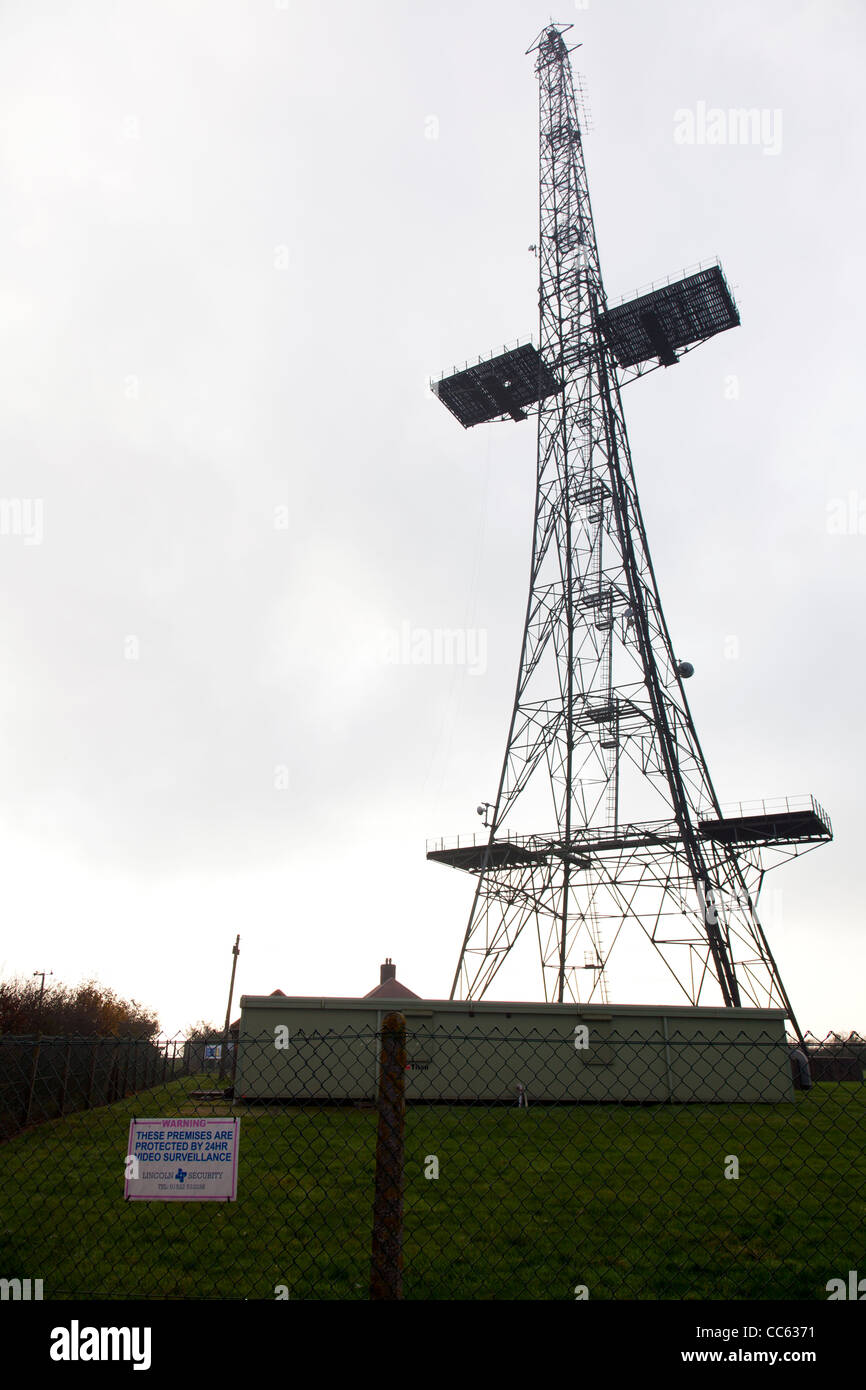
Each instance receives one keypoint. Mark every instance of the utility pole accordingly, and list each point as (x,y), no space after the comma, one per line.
(225,1046)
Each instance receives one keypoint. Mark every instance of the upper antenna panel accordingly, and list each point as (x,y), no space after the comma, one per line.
(503,385)
(670,319)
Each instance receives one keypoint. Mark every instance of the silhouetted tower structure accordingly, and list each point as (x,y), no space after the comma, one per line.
(605,822)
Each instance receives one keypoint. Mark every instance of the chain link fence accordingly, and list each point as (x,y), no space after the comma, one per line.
(42,1078)
(440,1165)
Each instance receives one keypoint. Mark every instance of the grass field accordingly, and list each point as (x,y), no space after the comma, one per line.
(630,1201)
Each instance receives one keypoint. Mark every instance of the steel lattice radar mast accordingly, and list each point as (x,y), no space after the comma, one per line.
(606,828)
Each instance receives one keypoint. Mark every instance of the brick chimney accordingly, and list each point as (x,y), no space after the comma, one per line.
(389,987)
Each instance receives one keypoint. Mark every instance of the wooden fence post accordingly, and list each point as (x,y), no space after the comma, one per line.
(91,1072)
(64,1085)
(113,1092)
(386,1264)
(34,1070)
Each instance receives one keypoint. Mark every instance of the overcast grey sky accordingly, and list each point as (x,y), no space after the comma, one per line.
(237,240)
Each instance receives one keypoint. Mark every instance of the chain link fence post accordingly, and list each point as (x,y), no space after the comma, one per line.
(64,1084)
(91,1071)
(386,1265)
(34,1071)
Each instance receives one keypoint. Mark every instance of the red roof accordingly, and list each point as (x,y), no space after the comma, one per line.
(391,989)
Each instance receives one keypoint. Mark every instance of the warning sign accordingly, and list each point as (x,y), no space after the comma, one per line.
(182,1160)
